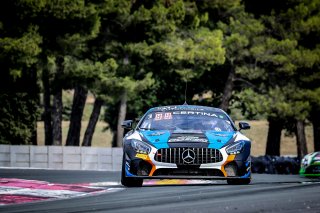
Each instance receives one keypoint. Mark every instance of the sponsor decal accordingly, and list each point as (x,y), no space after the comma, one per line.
(156,134)
(142,156)
(210,114)
(218,134)
(188,138)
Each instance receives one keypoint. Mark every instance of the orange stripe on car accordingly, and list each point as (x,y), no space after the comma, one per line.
(153,168)
(229,159)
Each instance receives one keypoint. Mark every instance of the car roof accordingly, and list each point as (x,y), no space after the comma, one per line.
(184,107)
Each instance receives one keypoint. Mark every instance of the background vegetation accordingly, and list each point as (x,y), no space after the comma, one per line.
(254,59)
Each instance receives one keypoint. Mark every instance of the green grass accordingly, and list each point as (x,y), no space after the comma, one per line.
(100,138)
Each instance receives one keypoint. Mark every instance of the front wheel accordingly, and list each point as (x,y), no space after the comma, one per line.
(245,181)
(126,181)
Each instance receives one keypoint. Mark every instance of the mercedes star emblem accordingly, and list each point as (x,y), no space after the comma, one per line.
(188,156)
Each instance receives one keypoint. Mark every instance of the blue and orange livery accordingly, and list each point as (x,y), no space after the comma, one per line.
(185,142)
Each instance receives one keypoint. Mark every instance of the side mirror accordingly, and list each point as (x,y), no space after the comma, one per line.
(244,125)
(127,124)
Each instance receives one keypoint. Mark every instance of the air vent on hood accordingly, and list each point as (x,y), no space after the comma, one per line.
(188,138)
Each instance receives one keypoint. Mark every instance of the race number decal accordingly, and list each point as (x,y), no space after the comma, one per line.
(165,116)
(168,115)
(158,116)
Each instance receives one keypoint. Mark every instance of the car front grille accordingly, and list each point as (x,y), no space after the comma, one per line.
(188,156)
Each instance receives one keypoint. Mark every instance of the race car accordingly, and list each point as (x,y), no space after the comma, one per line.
(310,165)
(185,142)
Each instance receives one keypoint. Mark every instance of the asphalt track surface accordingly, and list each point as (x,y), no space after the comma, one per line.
(266,193)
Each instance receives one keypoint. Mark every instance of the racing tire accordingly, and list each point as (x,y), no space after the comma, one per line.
(129,181)
(245,181)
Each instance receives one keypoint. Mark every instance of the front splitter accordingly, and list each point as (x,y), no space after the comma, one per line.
(188,177)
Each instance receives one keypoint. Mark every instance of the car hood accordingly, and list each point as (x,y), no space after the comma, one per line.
(165,138)
(315,158)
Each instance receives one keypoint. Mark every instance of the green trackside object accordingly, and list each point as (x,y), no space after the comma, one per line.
(310,165)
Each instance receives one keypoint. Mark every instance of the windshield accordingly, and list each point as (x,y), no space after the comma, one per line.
(186,120)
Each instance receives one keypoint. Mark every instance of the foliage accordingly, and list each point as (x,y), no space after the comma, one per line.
(153,49)
(16,119)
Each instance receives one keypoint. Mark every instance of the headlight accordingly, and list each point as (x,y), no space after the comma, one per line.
(140,147)
(304,162)
(235,148)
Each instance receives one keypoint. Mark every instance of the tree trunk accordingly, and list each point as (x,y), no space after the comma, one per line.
(227,92)
(34,93)
(57,118)
(114,139)
(57,105)
(34,138)
(33,128)
(301,139)
(47,108)
(92,122)
(274,137)
(315,119)
(121,117)
(79,100)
